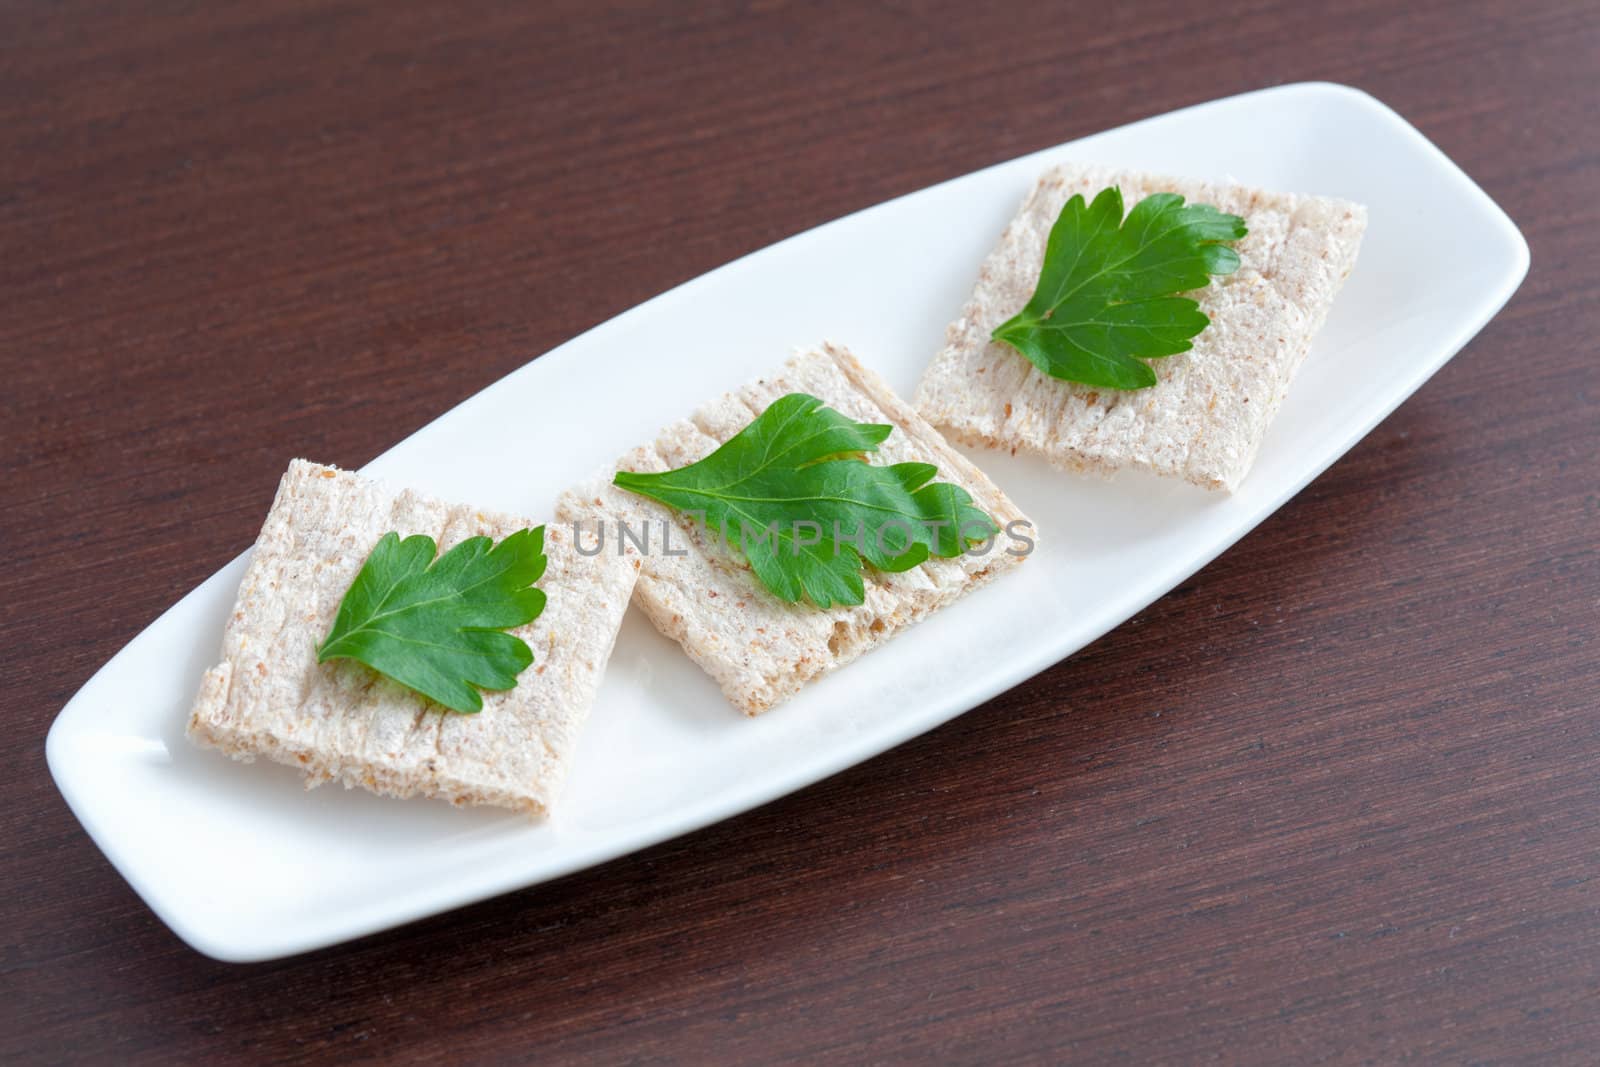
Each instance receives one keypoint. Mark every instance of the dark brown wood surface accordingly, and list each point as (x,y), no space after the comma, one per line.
(1337,798)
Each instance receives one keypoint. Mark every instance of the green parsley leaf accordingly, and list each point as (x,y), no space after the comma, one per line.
(435,626)
(1108,288)
(792,494)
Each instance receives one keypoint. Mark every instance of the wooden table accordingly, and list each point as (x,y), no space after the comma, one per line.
(1336,798)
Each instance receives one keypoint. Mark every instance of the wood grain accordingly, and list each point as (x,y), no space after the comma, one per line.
(1335,799)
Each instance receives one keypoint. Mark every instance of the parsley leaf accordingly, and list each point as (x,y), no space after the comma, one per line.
(435,626)
(792,494)
(1107,290)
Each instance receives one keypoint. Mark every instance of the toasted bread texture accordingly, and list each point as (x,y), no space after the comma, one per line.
(1205,418)
(759,649)
(342,721)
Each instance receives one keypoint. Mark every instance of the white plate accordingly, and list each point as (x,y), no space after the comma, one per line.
(245,865)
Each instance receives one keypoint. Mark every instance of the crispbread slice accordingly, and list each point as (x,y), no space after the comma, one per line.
(757,648)
(339,720)
(1205,418)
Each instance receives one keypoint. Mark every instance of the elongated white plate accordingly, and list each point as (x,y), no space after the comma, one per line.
(245,865)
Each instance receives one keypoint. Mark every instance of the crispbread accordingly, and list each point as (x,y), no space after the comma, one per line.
(1205,418)
(759,649)
(339,720)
